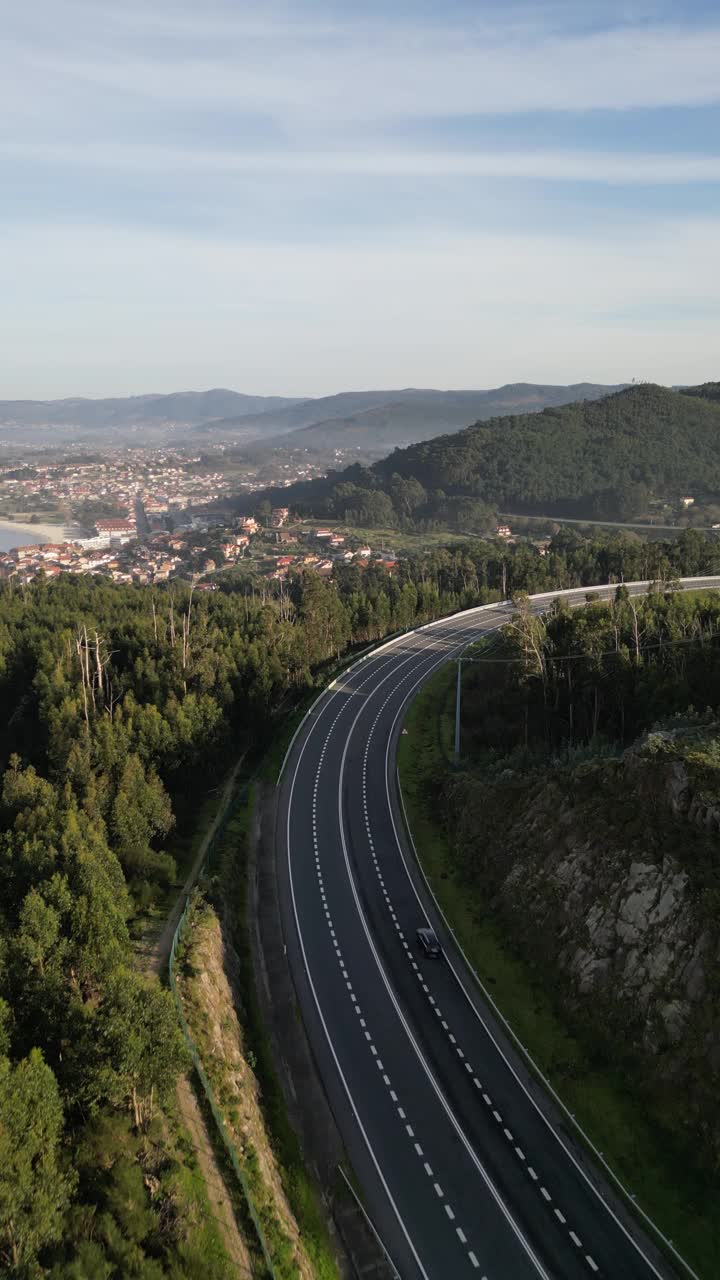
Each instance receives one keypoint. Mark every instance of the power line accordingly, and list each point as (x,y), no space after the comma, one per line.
(606,653)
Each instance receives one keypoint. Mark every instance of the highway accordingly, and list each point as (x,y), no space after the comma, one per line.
(465,1167)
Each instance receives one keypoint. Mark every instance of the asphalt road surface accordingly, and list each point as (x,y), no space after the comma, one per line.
(465,1166)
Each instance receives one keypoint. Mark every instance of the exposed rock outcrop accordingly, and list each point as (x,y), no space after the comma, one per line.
(610,877)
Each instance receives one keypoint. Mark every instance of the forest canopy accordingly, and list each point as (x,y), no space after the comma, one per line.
(595,458)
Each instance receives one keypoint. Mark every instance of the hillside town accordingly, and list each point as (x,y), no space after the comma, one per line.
(134,547)
(164,480)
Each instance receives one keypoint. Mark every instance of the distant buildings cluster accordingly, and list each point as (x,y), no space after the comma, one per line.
(162,479)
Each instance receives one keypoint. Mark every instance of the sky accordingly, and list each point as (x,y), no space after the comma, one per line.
(309,197)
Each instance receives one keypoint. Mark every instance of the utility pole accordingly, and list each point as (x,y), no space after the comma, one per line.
(458,696)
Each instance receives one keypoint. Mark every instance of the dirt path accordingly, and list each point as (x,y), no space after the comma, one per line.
(220,1202)
(153,952)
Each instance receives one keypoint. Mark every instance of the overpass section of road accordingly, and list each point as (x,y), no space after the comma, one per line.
(466,1167)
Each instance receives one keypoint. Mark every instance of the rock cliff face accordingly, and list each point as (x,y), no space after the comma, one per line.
(610,878)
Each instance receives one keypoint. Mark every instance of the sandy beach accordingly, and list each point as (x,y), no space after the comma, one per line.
(14,534)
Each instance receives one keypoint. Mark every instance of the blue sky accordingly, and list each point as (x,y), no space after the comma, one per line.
(302,197)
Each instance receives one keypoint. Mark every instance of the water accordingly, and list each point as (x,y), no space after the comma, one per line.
(13,534)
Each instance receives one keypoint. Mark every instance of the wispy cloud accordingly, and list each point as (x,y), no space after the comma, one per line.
(395,136)
(635,169)
(356,71)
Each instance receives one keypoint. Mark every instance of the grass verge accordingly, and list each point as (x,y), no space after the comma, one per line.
(648,1161)
(229,893)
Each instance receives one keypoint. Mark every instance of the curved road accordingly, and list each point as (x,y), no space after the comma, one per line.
(466,1168)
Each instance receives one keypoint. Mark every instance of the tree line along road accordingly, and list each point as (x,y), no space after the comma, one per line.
(466,1168)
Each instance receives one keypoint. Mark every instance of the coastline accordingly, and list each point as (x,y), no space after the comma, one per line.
(13,533)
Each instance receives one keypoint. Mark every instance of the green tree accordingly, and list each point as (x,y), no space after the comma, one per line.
(35,1190)
(141,811)
(139,1049)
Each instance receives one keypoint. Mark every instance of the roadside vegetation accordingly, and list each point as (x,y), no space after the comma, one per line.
(120,707)
(296,1215)
(584,767)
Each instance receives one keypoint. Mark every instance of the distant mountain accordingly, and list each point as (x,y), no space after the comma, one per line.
(372,422)
(378,421)
(310,412)
(424,414)
(601,458)
(180,408)
(708,391)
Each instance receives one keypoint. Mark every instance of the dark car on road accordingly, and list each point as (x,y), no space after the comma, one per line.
(429,943)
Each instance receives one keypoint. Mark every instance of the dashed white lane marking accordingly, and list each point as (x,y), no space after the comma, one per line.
(591,1262)
(419,1151)
(545,1194)
(532,1173)
(560,1216)
(575,1240)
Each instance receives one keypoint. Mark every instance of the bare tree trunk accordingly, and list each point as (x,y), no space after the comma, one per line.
(636,632)
(99,666)
(136,1108)
(78,645)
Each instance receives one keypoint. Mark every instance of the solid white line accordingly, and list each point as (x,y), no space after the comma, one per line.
(491,1002)
(328,1037)
(374,667)
(525,1243)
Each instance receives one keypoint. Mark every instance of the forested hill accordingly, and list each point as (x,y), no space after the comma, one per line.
(644,435)
(598,458)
